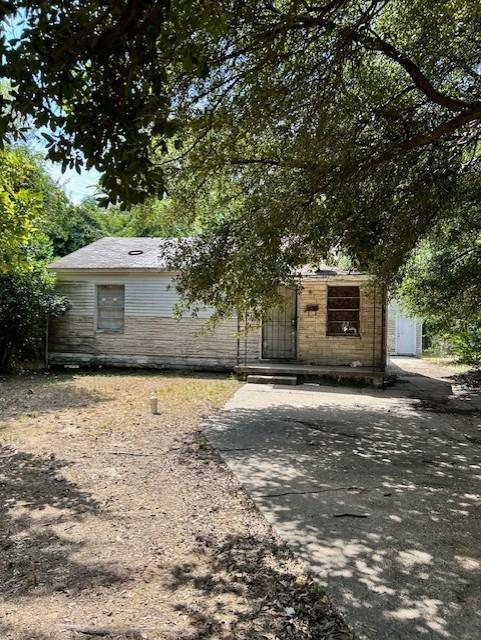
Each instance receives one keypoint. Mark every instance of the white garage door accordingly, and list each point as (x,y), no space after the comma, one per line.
(406,336)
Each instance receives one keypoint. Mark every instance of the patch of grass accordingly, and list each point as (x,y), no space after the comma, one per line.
(195,391)
(445,361)
(109,399)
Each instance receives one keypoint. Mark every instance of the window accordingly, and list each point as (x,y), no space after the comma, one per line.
(343,304)
(110,307)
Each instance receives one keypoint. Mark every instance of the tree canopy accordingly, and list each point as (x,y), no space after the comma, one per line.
(21,200)
(30,202)
(299,127)
(441,284)
(442,278)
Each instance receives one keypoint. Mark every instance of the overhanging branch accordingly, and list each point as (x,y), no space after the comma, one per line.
(423,139)
(418,77)
(371,41)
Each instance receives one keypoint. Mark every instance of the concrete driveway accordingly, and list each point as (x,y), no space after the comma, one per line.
(378,491)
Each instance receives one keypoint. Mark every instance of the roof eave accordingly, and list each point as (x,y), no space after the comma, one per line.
(59,269)
(335,276)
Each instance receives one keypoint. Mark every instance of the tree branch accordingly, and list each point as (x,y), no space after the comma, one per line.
(294,164)
(268,161)
(372,41)
(419,78)
(130,19)
(423,139)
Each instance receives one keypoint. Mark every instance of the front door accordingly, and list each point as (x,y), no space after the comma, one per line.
(279,329)
(406,336)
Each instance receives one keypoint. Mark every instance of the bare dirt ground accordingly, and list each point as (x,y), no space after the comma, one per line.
(123,524)
(437,368)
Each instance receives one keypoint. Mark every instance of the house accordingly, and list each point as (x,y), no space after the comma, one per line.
(404,333)
(122,298)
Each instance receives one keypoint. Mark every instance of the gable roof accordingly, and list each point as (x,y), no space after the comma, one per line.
(117,254)
(142,253)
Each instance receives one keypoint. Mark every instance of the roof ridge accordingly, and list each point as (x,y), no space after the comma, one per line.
(117,252)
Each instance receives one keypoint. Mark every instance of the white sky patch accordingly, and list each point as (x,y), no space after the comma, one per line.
(76,186)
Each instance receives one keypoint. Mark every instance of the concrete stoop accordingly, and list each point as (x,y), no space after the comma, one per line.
(258,379)
(300,373)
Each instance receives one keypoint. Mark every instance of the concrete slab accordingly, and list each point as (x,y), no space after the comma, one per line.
(313,373)
(255,379)
(379,491)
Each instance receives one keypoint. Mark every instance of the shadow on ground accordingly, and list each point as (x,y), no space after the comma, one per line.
(277,601)
(38,508)
(379,491)
(47,392)
(7,631)
(43,393)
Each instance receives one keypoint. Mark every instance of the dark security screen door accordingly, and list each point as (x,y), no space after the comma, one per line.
(279,329)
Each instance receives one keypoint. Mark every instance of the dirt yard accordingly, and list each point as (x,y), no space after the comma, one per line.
(117,523)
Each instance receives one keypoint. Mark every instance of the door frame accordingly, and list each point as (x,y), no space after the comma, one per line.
(296,326)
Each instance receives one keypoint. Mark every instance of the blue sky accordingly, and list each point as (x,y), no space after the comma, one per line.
(76,186)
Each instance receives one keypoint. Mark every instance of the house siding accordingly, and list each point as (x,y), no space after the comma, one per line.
(314,346)
(151,336)
(150,295)
(391,332)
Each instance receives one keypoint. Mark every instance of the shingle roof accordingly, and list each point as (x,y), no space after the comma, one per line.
(116,253)
(146,253)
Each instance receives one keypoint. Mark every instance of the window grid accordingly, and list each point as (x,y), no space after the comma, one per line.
(343,311)
(110,308)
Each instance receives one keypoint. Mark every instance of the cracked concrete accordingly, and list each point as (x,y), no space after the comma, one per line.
(378,491)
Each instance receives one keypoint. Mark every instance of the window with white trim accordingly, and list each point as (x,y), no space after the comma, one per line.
(110,307)
(343,306)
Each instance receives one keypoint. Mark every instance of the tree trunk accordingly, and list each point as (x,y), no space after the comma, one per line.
(4,357)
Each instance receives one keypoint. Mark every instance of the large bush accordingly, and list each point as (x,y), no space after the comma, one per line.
(27,299)
(466,343)
(441,285)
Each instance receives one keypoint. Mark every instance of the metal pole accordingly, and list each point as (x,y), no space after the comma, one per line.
(245,339)
(238,339)
(374,332)
(383,328)
(46,342)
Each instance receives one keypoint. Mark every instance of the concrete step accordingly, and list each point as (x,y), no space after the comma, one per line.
(258,379)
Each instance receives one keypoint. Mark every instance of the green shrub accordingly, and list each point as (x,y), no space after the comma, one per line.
(27,299)
(466,343)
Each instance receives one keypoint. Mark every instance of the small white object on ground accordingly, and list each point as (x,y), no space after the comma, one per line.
(355,364)
(154,404)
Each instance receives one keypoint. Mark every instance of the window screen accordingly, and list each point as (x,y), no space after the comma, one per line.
(110,307)
(343,304)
